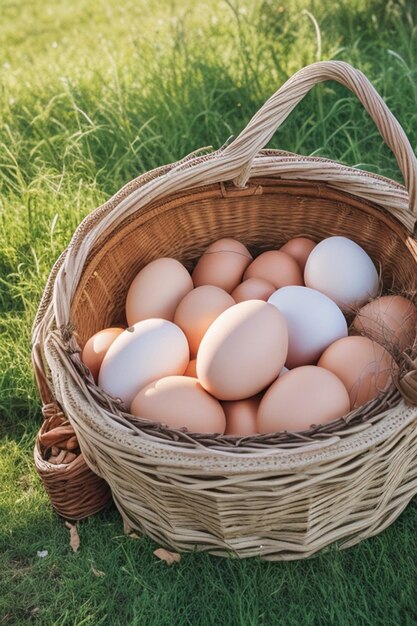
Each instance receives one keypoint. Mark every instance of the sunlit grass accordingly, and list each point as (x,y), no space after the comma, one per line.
(91,95)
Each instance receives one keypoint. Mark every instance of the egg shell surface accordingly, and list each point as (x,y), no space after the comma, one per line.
(222,265)
(365,368)
(314,322)
(241,416)
(191,369)
(180,402)
(275,267)
(146,351)
(157,290)
(243,350)
(305,396)
(198,309)
(299,248)
(253,289)
(343,271)
(389,320)
(96,348)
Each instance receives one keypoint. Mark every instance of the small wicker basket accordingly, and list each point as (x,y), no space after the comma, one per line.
(74,490)
(281,496)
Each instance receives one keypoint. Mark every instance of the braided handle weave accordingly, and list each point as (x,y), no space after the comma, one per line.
(278,107)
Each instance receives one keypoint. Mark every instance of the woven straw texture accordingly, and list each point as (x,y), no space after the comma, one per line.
(74,490)
(281,496)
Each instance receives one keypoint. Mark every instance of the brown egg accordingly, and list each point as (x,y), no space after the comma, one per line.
(364,367)
(198,309)
(191,369)
(178,402)
(222,265)
(96,347)
(304,397)
(389,320)
(277,268)
(241,416)
(299,248)
(253,289)
(243,350)
(157,291)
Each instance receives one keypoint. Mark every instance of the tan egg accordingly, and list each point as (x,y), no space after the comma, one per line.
(241,416)
(276,267)
(365,368)
(96,347)
(222,265)
(389,320)
(180,402)
(157,291)
(253,289)
(198,309)
(299,248)
(191,369)
(304,397)
(243,350)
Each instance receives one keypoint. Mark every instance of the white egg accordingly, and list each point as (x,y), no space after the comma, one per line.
(314,322)
(343,271)
(146,351)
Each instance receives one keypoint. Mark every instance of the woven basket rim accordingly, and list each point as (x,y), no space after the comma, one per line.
(124,434)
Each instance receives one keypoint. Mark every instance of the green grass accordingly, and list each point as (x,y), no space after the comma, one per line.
(92,94)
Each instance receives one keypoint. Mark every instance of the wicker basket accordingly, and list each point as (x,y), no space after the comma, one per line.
(74,490)
(282,496)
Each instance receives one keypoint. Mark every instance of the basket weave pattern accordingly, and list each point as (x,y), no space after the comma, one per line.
(282,496)
(74,490)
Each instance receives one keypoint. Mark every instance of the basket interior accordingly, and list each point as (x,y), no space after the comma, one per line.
(263,216)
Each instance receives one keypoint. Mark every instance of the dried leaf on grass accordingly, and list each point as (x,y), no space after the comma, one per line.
(74,537)
(97,572)
(128,530)
(134,535)
(168,557)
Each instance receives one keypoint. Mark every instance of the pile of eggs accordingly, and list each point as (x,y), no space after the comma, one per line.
(245,346)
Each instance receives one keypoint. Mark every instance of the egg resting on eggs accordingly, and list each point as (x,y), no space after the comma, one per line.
(180,402)
(243,350)
(222,265)
(146,351)
(303,397)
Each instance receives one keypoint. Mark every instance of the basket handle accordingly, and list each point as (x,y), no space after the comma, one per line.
(278,107)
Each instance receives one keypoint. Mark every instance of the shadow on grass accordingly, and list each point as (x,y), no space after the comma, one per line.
(116,576)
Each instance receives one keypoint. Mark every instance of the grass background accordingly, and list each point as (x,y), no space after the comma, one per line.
(91,95)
